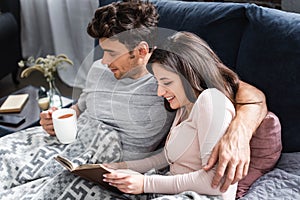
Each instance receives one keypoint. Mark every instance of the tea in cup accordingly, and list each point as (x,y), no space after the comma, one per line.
(65,125)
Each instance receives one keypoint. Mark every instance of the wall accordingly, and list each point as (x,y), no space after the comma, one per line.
(291,5)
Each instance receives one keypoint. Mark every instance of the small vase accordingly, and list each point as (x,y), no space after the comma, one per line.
(54,95)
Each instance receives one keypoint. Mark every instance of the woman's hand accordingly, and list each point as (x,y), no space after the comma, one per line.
(127,183)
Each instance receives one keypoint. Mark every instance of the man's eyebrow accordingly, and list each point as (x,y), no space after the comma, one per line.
(108,50)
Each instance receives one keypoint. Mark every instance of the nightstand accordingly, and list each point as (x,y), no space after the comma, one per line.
(31,110)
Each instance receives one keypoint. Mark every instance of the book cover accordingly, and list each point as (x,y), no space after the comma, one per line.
(90,172)
(14,103)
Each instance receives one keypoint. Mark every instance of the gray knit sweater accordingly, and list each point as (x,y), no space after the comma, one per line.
(129,106)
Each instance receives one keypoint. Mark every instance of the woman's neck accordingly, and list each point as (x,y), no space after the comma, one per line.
(186,112)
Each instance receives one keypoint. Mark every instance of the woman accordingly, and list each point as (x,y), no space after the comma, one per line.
(195,83)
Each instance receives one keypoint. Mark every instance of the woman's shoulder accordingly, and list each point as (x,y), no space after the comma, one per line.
(211,93)
(213,96)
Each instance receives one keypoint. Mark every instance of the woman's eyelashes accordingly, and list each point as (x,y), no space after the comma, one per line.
(163,81)
(167,83)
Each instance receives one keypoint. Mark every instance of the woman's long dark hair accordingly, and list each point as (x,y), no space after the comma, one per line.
(197,65)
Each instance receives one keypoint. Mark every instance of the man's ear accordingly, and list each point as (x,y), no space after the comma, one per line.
(143,49)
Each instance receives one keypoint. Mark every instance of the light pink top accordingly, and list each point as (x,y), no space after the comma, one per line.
(188,148)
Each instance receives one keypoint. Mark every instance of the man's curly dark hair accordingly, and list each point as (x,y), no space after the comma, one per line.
(130,22)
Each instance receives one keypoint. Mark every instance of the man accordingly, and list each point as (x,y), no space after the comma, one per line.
(124,31)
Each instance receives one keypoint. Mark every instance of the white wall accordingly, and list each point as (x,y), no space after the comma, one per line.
(291,5)
(59,26)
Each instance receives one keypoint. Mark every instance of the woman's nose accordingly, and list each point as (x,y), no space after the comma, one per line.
(160,90)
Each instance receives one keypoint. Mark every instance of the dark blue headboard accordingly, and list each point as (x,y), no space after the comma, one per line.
(261,44)
(206,20)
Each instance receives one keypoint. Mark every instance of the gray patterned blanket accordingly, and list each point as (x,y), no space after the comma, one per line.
(28,169)
(282,183)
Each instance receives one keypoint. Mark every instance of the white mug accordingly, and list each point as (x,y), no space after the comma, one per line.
(65,125)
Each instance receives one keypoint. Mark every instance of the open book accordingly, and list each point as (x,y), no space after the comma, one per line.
(90,172)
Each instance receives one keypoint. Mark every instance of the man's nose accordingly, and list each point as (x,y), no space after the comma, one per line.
(105,59)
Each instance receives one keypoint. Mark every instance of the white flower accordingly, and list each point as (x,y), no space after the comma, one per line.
(21,63)
(48,66)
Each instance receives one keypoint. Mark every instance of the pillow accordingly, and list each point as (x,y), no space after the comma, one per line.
(221,25)
(270,53)
(265,147)
(106,2)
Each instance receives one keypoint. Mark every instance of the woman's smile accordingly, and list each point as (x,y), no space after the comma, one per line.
(169,99)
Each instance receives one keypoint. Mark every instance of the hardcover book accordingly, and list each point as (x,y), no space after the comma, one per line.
(90,172)
(14,103)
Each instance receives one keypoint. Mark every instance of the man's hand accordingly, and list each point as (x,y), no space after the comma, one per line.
(233,156)
(127,183)
(233,150)
(46,120)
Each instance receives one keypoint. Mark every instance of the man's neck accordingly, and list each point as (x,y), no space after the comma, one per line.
(140,70)
(136,73)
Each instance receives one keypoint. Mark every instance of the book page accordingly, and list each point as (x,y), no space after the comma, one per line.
(65,162)
(90,172)
(92,166)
